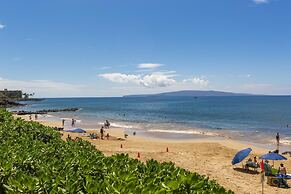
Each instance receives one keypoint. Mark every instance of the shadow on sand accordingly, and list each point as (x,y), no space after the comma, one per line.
(246,171)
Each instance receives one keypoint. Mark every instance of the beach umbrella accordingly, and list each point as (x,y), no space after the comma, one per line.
(241,155)
(77,130)
(273,156)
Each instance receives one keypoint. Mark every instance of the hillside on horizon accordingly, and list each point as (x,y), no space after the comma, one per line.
(191,93)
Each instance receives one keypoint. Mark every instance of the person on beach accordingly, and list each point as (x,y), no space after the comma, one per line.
(252,163)
(281,173)
(255,162)
(35,117)
(278,141)
(107,136)
(73,122)
(282,169)
(267,168)
(30,117)
(102,132)
(106,124)
(249,163)
(63,122)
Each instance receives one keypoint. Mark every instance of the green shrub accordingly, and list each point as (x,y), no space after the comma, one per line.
(34,159)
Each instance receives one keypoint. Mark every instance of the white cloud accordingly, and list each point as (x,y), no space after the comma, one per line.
(42,87)
(149,65)
(260,1)
(197,81)
(2,26)
(121,78)
(156,79)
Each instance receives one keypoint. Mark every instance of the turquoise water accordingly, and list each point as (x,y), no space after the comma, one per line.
(246,117)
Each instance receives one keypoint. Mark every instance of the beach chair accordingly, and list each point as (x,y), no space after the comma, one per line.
(272,181)
(277,181)
(287,152)
(251,165)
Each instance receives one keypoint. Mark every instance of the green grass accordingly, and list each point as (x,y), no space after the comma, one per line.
(34,159)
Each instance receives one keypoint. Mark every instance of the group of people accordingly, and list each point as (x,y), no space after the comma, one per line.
(267,167)
(73,122)
(35,117)
(102,130)
(93,135)
(281,171)
(102,133)
(252,163)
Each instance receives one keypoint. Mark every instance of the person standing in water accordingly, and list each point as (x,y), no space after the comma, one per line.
(107,124)
(73,122)
(278,141)
(63,122)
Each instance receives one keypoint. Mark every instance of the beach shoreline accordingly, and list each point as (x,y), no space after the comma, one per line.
(238,118)
(206,156)
(172,134)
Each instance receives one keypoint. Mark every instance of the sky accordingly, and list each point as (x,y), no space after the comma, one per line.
(78,48)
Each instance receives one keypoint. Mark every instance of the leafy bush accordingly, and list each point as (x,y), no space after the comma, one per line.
(34,159)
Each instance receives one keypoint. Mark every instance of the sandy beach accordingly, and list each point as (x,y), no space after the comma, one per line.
(205,156)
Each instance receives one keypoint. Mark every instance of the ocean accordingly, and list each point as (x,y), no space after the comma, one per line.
(248,118)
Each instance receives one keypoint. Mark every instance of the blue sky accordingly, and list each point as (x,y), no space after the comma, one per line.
(111,48)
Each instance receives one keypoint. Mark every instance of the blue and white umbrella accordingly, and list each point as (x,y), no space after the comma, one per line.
(273,156)
(77,130)
(241,155)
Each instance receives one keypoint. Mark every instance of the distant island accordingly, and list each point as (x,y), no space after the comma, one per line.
(191,93)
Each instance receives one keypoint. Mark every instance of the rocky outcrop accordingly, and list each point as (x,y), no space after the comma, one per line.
(9,103)
(45,111)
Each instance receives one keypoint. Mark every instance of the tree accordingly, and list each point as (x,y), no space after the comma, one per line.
(27,95)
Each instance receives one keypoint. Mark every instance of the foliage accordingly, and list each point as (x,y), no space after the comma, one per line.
(34,159)
(10,94)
